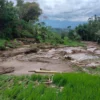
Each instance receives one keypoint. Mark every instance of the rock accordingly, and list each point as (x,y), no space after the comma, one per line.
(74,61)
(97,52)
(19,51)
(34,50)
(69,51)
(82,56)
(68,57)
(92,49)
(62,53)
(4,70)
(92,65)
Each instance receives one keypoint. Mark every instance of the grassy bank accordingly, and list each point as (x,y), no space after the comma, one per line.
(5,44)
(72,43)
(69,86)
(2,44)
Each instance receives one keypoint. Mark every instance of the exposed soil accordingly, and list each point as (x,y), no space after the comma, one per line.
(61,59)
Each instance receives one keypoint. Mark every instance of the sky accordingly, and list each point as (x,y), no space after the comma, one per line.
(62,13)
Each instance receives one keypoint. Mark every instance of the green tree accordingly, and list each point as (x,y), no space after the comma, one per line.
(8,15)
(20,3)
(29,11)
(90,30)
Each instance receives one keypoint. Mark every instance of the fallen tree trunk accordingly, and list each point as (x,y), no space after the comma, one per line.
(6,70)
(42,71)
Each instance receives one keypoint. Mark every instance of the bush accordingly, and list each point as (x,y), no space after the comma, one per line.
(2,44)
(73,43)
(26,34)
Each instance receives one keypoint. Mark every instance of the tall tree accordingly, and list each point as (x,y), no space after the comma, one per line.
(20,3)
(30,11)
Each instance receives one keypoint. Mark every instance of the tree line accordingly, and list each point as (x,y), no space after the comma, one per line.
(91,30)
(22,21)
(15,21)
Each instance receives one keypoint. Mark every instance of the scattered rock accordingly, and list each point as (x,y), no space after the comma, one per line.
(6,70)
(69,51)
(97,52)
(92,65)
(35,50)
(92,49)
(19,51)
(82,56)
(68,57)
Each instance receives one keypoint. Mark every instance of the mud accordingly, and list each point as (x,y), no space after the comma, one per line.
(32,57)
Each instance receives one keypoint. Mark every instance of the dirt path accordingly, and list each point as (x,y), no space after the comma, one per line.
(26,59)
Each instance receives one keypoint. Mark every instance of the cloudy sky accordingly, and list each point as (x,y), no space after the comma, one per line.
(71,11)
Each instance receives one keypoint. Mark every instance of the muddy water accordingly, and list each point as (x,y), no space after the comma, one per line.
(54,59)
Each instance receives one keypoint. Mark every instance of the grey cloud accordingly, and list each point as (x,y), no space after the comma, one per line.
(73,10)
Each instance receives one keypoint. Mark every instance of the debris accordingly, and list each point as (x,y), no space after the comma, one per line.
(92,49)
(6,70)
(48,83)
(92,65)
(35,50)
(97,52)
(82,56)
(42,71)
(19,51)
(68,57)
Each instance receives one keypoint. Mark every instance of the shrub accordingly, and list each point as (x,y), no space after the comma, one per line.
(2,44)
(26,34)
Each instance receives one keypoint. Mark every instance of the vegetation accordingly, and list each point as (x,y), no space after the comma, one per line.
(2,44)
(94,70)
(21,21)
(16,21)
(73,43)
(65,87)
(91,30)
(5,44)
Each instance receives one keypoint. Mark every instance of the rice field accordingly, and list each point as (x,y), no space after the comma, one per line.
(69,86)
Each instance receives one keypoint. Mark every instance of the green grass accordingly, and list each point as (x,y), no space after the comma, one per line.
(95,70)
(73,43)
(76,86)
(2,44)
(7,43)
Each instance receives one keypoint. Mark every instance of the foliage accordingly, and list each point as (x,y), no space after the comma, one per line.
(28,11)
(45,34)
(11,24)
(7,17)
(90,30)
(7,44)
(20,22)
(68,86)
(73,43)
(20,3)
(2,44)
